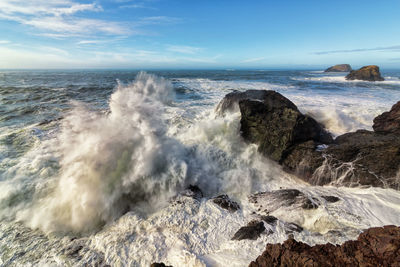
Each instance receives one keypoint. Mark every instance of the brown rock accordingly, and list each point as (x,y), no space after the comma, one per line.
(368,73)
(226,203)
(388,122)
(375,247)
(339,68)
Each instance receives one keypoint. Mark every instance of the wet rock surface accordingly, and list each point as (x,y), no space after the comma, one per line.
(268,202)
(276,125)
(339,68)
(388,122)
(252,231)
(361,158)
(375,247)
(293,227)
(231,101)
(367,73)
(226,203)
(303,147)
(159,264)
(269,219)
(331,199)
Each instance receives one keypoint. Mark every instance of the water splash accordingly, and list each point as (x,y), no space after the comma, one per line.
(112,161)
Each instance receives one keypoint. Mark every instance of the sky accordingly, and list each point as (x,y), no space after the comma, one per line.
(179,34)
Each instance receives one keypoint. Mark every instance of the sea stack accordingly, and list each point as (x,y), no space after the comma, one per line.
(367,73)
(339,68)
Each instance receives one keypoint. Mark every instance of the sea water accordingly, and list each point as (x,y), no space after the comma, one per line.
(93,165)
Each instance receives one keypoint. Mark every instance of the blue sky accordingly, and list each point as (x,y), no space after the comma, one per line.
(144,34)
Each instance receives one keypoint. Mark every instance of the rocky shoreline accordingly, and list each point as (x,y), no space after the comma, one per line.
(303,147)
(378,246)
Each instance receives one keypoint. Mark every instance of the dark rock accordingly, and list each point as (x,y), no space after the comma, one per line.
(375,247)
(270,201)
(292,227)
(231,101)
(156,264)
(192,191)
(276,125)
(252,231)
(368,73)
(226,203)
(339,68)
(310,204)
(269,219)
(388,122)
(303,147)
(196,191)
(361,158)
(331,199)
(303,159)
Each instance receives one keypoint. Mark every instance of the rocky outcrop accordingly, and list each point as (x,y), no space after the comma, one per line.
(276,125)
(339,68)
(388,122)
(268,202)
(359,158)
(375,247)
(302,146)
(368,73)
(252,231)
(226,203)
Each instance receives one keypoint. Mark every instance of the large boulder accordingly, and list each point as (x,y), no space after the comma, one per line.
(388,122)
(275,124)
(368,73)
(303,147)
(339,68)
(231,101)
(375,247)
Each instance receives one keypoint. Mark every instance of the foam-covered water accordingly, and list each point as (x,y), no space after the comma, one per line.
(92,166)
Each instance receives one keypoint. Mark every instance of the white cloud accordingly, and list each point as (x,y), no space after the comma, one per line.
(43,7)
(157,20)
(4,42)
(253,59)
(184,49)
(77,26)
(57,17)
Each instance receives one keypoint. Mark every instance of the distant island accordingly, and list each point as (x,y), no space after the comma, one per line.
(339,68)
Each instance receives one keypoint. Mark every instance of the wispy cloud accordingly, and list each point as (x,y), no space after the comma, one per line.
(42,7)
(137,5)
(157,20)
(253,59)
(184,49)
(57,18)
(381,49)
(4,42)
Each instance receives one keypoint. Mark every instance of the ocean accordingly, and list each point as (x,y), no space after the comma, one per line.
(93,164)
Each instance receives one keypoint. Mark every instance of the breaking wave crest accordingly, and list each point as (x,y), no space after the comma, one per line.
(112,161)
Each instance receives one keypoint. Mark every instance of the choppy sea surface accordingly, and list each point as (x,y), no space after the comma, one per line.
(93,165)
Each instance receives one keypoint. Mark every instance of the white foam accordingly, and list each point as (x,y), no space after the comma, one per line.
(342,79)
(149,148)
